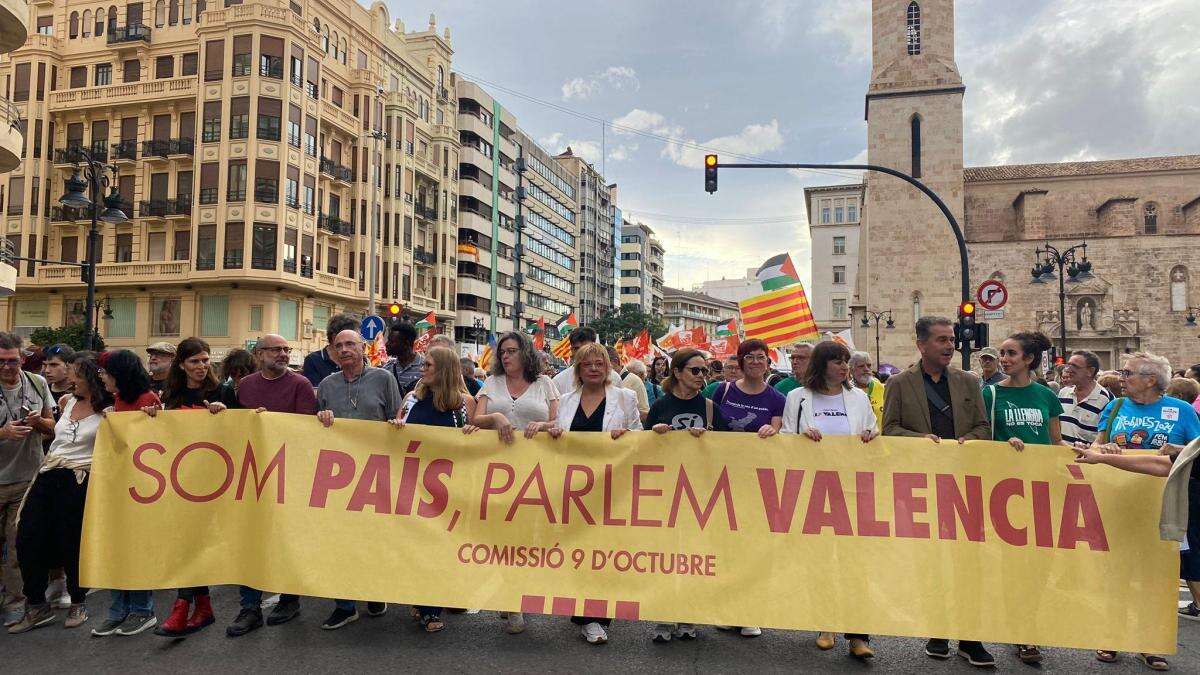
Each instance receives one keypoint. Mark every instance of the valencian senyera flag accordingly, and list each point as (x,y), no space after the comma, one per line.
(781,317)
(485,357)
(778,272)
(563,350)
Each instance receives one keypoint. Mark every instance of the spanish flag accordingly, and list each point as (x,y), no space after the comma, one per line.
(780,317)
(562,350)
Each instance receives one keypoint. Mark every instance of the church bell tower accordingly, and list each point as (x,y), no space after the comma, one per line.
(908,259)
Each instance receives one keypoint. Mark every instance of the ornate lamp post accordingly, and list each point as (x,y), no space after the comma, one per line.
(1072,265)
(870,316)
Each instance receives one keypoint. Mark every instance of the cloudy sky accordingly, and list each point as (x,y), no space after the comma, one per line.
(783,80)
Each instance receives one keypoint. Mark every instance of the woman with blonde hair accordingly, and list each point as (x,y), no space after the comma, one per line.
(440,399)
(595,405)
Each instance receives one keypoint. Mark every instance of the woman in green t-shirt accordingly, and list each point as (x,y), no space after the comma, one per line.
(1022,410)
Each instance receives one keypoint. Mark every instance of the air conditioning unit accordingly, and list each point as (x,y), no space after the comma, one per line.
(520,221)
(520,164)
(519,279)
(521,194)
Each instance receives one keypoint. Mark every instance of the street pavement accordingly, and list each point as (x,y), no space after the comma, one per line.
(478,643)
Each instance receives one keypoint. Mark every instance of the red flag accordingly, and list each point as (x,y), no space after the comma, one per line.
(693,338)
(539,338)
(422,343)
(639,347)
(724,347)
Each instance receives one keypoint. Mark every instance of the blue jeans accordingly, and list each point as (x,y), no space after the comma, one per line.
(348,605)
(125,603)
(252,598)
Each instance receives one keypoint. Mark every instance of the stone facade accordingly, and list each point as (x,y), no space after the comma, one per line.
(1140,218)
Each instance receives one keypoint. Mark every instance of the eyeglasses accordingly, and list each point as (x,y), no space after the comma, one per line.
(10,363)
(509,351)
(54,351)
(1124,372)
(755,357)
(277,350)
(697,370)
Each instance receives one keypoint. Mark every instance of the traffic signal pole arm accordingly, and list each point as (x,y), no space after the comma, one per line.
(958,234)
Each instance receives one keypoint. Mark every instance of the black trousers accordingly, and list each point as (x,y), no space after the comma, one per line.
(49,530)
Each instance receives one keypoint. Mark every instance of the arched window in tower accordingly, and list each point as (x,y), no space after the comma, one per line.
(916,305)
(73,26)
(914,125)
(100,22)
(912,30)
(112,18)
(160,14)
(441,77)
(1150,213)
(1180,298)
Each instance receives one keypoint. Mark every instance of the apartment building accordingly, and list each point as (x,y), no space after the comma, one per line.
(641,268)
(256,149)
(598,232)
(834,214)
(690,309)
(519,228)
(14,28)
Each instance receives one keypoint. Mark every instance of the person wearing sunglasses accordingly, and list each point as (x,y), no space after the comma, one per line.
(683,408)
(25,417)
(48,535)
(272,388)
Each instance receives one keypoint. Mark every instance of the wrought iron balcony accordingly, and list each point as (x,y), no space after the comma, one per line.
(168,147)
(334,225)
(125,150)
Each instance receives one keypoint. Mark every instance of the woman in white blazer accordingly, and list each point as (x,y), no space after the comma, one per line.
(828,405)
(595,405)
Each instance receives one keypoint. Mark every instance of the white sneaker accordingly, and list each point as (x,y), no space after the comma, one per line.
(515,623)
(56,594)
(663,632)
(751,631)
(594,633)
(685,631)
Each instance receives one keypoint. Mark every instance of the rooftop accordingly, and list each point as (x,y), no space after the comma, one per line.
(1067,169)
(670,293)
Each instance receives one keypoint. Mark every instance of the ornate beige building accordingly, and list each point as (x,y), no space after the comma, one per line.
(1140,217)
(255,145)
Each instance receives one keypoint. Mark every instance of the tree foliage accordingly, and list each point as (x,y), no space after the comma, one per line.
(626,322)
(75,336)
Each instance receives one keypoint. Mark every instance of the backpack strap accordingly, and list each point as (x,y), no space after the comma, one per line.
(724,391)
(1112,418)
(991,389)
(799,411)
(708,408)
(42,393)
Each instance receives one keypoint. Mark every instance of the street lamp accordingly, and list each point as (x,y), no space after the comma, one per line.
(93,179)
(373,226)
(1070,268)
(477,323)
(876,317)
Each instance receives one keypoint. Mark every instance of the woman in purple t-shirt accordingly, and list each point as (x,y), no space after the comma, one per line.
(750,404)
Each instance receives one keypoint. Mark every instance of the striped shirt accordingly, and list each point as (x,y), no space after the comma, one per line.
(1079,418)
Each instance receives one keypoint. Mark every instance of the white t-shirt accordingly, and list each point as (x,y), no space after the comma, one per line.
(829,414)
(565,380)
(532,406)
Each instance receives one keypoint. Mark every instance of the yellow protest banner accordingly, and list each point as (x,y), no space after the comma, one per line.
(898,536)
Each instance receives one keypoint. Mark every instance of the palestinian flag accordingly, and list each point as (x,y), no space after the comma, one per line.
(562,350)
(725,330)
(781,317)
(778,272)
(428,322)
(567,324)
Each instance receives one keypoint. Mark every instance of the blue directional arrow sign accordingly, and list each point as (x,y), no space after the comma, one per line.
(370,327)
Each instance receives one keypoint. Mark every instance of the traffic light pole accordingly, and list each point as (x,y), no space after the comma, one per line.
(958,234)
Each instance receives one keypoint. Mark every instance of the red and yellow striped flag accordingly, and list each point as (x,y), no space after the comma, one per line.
(780,317)
(562,350)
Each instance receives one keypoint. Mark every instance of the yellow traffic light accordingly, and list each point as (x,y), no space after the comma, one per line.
(394,309)
(710,160)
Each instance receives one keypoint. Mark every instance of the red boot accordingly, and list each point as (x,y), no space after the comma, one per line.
(202,616)
(176,624)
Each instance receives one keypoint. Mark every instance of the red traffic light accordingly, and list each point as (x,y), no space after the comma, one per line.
(394,309)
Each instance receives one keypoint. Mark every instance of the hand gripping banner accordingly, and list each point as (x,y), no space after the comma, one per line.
(899,536)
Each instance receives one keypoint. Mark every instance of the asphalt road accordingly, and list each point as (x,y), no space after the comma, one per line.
(478,643)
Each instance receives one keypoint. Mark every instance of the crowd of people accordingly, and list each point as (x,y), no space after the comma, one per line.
(54,399)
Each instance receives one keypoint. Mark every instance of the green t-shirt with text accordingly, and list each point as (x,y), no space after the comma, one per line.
(1021,412)
(786,385)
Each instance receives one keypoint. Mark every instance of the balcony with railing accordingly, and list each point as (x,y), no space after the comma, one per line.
(67,214)
(334,225)
(426,212)
(424,257)
(105,96)
(125,151)
(339,172)
(126,34)
(166,208)
(113,273)
(169,147)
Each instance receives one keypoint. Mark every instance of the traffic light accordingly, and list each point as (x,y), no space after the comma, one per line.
(710,173)
(394,310)
(964,330)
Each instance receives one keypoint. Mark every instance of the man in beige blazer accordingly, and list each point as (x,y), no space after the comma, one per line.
(935,400)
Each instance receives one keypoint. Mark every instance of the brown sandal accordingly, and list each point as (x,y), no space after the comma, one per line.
(1106,656)
(1155,662)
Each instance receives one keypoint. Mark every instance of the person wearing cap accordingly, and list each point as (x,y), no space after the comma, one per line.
(989,367)
(159,364)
